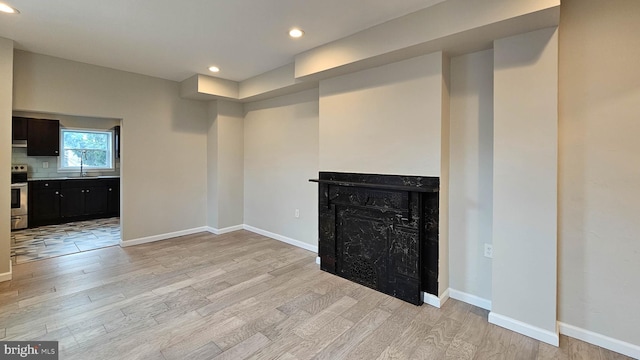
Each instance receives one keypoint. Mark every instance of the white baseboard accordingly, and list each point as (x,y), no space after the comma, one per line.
(318,260)
(8,275)
(285,239)
(435,300)
(549,337)
(225,230)
(161,237)
(600,340)
(470,299)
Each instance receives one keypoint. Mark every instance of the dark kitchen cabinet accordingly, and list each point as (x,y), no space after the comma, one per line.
(116,141)
(71,202)
(113,196)
(44,203)
(43,137)
(95,201)
(19,128)
(61,201)
(83,198)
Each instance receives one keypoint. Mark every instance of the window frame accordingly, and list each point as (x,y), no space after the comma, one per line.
(87,169)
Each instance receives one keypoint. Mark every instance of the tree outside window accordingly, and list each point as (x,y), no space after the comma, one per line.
(93,149)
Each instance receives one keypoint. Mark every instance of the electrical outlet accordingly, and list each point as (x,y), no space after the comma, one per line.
(297,213)
(45,164)
(488,251)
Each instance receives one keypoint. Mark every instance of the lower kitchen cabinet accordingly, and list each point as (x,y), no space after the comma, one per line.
(60,201)
(44,202)
(113,196)
(83,198)
(95,200)
(71,203)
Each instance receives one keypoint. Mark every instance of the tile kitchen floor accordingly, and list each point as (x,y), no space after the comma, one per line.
(55,240)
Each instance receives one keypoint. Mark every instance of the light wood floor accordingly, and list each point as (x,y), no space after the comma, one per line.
(240,296)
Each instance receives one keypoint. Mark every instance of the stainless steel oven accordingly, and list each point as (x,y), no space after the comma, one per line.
(19,197)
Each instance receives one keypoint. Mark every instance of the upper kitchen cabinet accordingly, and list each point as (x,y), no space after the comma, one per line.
(19,126)
(116,141)
(43,137)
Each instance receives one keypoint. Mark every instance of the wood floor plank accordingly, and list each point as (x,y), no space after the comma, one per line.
(474,328)
(207,351)
(286,328)
(522,347)
(322,318)
(201,338)
(309,347)
(249,329)
(380,338)
(460,350)
(495,344)
(549,352)
(282,337)
(611,355)
(245,348)
(240,295)
(349,340)
(438,339)
(414,334)
(580,350)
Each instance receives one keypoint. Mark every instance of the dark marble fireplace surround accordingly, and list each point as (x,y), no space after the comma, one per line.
(380,231)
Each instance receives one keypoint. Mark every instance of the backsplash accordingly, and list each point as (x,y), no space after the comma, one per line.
(36,171)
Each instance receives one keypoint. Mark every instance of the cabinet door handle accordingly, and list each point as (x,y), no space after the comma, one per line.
(57,193)
(46,185)
(87,190)
(61,195)
(110,189)
(82,190)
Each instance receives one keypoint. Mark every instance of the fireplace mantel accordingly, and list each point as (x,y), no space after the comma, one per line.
(375,186)
(380,231)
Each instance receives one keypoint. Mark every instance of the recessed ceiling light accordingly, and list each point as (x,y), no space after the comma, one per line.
(8,9)
(296,33)
(214,69)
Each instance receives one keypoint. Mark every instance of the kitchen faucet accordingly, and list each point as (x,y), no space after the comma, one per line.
(82,173)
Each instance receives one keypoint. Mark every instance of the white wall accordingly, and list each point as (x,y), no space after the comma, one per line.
(443,221)
(230,163)
(599,178)
(280,156)
(213,209)
(385,120)
(158,128)
(6,89)
(471,172)
(525,182)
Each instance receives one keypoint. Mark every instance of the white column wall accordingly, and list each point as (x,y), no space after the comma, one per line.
(599,182)
(471,174)
(6,97)
(525,173)
(225,165)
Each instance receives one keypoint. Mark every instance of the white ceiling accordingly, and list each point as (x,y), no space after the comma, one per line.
(177,39)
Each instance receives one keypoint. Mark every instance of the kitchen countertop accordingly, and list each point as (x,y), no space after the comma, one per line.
(75,178)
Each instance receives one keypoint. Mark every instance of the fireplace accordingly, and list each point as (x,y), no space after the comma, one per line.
(380,231)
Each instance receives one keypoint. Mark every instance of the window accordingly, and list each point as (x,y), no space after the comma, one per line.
(89,149)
